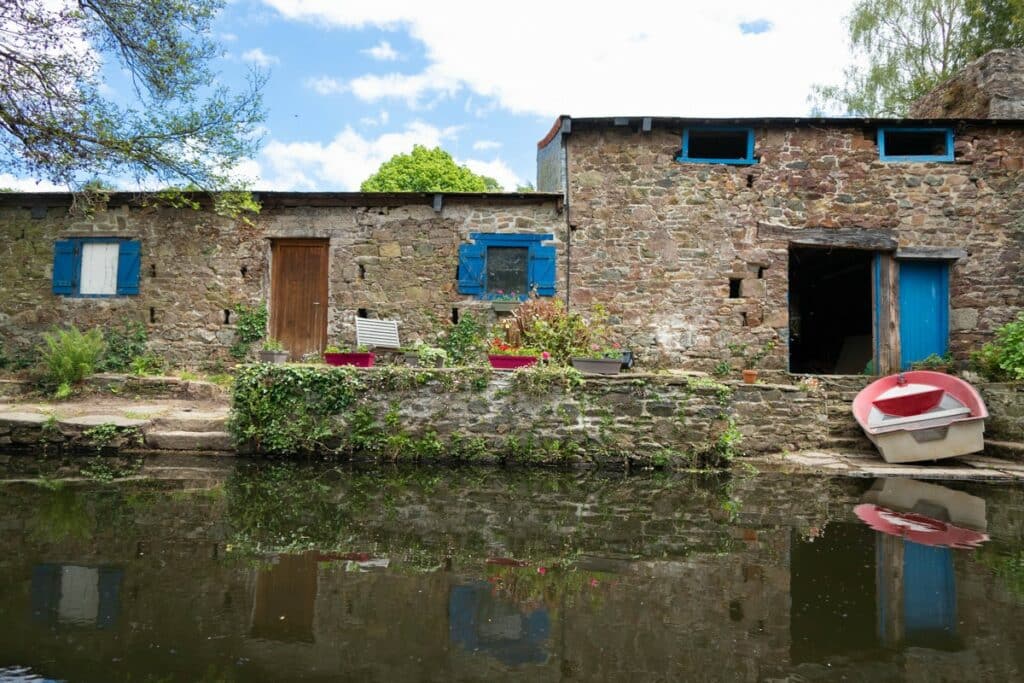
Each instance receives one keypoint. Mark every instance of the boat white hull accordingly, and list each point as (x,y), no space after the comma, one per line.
(933,443)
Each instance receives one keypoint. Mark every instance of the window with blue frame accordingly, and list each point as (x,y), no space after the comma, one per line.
(915,144)
(495,264)
(718,145)
(96,267)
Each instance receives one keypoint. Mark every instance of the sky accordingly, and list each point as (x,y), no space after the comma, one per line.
(353,83)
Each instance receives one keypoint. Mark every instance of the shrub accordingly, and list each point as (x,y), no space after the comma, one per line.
(545,324)
(68,356)
(1003,359)
(465,341)
(124,343)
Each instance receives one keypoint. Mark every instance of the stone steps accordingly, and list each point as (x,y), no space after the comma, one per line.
(180,440)
(848,443)
(191,421)
(1007,450)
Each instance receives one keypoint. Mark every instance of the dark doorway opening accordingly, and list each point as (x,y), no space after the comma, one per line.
(830,310)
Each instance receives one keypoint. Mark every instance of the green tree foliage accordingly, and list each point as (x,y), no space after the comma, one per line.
(426,170)
(177,127)
(904,48)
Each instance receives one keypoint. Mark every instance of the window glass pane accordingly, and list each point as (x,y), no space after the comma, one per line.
(717,144)
(901,143)
(506,270)
(99,268)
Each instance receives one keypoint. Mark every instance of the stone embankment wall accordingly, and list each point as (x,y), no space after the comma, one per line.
(396,261)
(540,417)
(657,241)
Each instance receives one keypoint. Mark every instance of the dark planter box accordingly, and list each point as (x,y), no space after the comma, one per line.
(598,366)
(511,362)
(273,356)
(360,360)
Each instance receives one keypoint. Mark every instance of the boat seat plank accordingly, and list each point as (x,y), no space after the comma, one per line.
(923,417)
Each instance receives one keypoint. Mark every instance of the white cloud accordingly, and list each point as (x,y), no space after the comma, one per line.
(484,145)
(258,57)
(379,120)
(343,163)
(412,89)
(11,182)
(382,52)
(325,85)
(496,169)
(674,58)
(228,37)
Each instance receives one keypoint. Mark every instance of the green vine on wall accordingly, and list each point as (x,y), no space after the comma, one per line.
(250,327)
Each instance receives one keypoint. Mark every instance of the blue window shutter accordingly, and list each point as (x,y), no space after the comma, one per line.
(64,260)
(472,258)
(542,269)
(129,259)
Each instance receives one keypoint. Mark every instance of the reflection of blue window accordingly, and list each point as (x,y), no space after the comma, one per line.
(496,264)
(481,622)
(75,594)
(929,595)
(915,144)
(718,145)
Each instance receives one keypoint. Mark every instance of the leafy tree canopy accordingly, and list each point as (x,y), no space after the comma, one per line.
(427,170)
(178,126)
(904,48)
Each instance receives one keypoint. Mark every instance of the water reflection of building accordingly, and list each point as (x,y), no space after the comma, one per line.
(481,621)
(75,594)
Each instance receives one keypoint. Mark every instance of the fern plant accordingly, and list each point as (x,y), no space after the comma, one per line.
(68,356)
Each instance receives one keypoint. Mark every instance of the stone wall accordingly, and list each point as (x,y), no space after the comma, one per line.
(657,241)
(531,417)
(991,87)
(1005,403)
(396,261)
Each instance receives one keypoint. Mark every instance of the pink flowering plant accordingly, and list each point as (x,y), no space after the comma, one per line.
(499,347)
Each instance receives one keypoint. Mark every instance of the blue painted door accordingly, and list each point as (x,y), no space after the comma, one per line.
(924,310)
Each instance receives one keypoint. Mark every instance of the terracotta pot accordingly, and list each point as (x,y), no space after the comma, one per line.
(749,376)
(359,360)
(511,362)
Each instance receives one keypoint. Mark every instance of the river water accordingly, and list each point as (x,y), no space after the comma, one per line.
(296,573)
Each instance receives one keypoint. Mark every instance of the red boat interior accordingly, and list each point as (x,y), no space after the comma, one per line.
(910,404)
(939,381)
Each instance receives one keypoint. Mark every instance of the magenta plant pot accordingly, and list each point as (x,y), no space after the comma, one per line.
(511,362)
(359,360)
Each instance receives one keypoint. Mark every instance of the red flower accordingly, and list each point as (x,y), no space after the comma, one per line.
(542,570)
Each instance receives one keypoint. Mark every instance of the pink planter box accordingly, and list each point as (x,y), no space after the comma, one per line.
(511,362)
(360,360)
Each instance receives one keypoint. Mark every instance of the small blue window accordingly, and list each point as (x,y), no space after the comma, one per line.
(915,144)
(718,145)
(96,267)
(501,265)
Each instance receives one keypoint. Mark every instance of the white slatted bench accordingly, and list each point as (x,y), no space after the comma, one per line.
(377,334)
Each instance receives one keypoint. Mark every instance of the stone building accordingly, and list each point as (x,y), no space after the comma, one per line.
(814,245)
(825,245)
(319,260)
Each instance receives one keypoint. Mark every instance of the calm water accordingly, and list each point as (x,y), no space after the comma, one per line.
(293,574)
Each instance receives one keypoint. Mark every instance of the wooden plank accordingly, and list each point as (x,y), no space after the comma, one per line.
(931,253)
(847,238)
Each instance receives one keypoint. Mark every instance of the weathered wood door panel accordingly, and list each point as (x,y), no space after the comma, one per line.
(298,295)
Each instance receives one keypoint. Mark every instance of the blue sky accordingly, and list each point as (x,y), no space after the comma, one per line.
(352,83)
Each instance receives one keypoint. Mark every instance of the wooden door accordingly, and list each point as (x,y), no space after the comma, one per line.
(298,295)
(924,310)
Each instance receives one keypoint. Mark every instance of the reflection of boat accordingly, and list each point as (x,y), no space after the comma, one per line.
(926,514)
(915,578)
(921,415)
